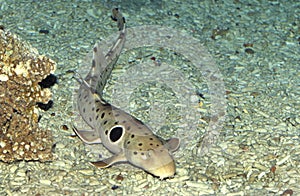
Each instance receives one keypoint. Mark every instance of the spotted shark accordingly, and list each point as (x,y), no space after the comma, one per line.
(126,137)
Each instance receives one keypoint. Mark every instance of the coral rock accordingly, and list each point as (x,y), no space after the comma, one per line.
(21,69)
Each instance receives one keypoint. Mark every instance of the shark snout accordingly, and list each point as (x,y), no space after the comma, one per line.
(164,171)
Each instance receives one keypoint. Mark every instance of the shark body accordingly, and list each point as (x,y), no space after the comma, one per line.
(129,139)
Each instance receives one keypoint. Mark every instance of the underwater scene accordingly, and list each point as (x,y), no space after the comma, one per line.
(150,97)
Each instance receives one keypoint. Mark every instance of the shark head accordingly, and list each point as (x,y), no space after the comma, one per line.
(153,155)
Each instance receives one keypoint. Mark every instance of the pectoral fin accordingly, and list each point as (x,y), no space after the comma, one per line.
(87,136)
(173,144)
(110,161)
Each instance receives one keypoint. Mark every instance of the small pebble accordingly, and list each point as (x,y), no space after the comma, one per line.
(87,172)
(45,182)
(44,31)
(114,187)
(249,51)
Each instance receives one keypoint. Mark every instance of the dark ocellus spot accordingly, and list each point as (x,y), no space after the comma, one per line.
(44,106)
(115,134)
(44,31)
(49,81)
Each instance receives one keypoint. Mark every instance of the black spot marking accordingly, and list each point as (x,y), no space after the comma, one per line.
(117,114)
(105,122)
(115,134)
(106,132)
(150,138)
(140,144)
(102,115)
(142,153)
(90,119)
(97,117)
(128,128)
(135,153)
(90,103)
(132,136)
(95,49)
(97,110)
(93,108)
(83,110)
(85,97)
(117,122)
(157,145)
(151,144)
(128,142)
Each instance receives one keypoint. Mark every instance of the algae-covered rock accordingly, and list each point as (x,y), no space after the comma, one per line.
(21,69)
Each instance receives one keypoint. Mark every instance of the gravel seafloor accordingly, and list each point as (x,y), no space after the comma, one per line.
(256,48)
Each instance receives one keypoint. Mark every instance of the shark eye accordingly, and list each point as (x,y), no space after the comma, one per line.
(116,133)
